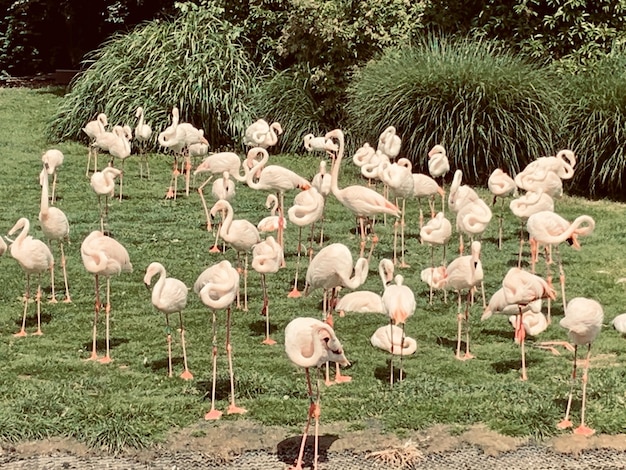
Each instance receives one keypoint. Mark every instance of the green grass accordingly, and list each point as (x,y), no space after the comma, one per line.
(47,388)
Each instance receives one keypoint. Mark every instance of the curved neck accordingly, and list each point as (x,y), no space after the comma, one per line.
(334,174)
(250,175)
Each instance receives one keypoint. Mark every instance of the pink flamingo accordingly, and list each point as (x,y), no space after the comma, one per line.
(169,295)
(93,129)
(270,223)
(525,206)
(319,144)
(472,219)
(501,185)
(425,186)
(437,231)
(391,338)
(321,181)
(389,142)
(218,286)
(55,227)
(460,194)
(34,257)
(361,201)
(311,343)
(399,304)
(103,184)
(143,133)
(364,301)
(583,321)
(438,163)
(222,188)
(242,235)
(464,273)
(52,159)
(262,134)
(103,256)
(267,257)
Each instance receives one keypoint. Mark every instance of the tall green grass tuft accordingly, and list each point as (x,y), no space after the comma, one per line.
(596,127)
(488,107)
(194,62)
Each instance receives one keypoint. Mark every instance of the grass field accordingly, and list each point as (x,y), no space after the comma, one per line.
(48,389)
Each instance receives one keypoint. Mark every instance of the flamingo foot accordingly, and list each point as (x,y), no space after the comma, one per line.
(235,410)
(464,357)
(214,249)
(105,360)
(269,341)
(213,414)
(67,300)
(329,382)
(294,294)
(186,375)
(38,333)
(584,431)
(468,356)
(20,334)
(340,379)
(53,300)
(404,265)
(565,424)
(170,193)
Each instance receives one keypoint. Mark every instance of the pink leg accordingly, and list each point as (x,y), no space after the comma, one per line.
(213,413)
(313,411)
(295,293)
(94,355)
(63,265)
(232,409)
(38,299)
(107,310)
(584,430)
(566,423)
(22,332)
(186,375)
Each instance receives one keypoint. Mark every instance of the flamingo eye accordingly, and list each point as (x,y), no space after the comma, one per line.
(326,340)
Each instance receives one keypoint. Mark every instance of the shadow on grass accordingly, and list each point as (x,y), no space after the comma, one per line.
(383,374)
(288,449)
(222,388)
(161,365)
(257,328)
(31,320)
(101,344)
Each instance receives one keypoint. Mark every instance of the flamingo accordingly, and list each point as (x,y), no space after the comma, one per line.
(619,323)
(241,234)
(501,185)
(321,182)
(399,304)
(364,301)
(218,163)
(103,184)
(55,227)
(525,206)
(311,343)
(438,163)
(390,338)
(143,133)
(222,188)
(331,268)
(270,223)
(583,321)
(464,273)
(103,256)
(121,149)
(319,144)
(93,129)
(52,159)
(267,257)
(389,143)
(218,286)
(308,207)
(275,178)
(472,219)
(460,194)
(546,173)
(549,228)
(169,295)
(437,231)
(262,134)
(34,257)
(425,186)
(362,158)
(362,202)
(522,288)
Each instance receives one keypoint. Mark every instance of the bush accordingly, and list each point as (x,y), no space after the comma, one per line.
(596,127)
(194,62)
(488,107)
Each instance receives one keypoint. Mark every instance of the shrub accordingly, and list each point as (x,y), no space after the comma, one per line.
(194,62)
(488,107)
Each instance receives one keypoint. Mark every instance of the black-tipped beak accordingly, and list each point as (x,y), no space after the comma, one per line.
(147,285)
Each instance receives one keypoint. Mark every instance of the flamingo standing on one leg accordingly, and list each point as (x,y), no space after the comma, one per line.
(34,257)
(103,184)
(169,295)
(262,134)
(311,343)
(437,231)
(583,321)
(267,257)
(103,256)
(363,301)
(391,338)
(143,133)
(217,287)
(52,159)
(525,206)
(55,227)
(501,185)
(222,188)
(93,129)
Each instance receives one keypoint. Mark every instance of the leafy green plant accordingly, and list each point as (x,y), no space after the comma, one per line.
(489,107)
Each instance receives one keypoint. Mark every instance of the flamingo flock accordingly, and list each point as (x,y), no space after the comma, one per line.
(343,264)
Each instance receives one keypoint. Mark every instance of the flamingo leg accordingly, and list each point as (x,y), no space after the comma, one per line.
(122,180)
(521,245)
(313,411)
(107,310)
(168,332)
(245,284)
(22,331)
(232,409)
(583,429)
(566,423)
(561,277)
(459,323)
(466,319)
(213,413)
(186,375)
(266,311)
(206,209)
(94,355)
(362,227)
(402,245)
(522,339)
(38,300)
(53,299)
(391,357)
(294,293)
(187,173)
(63,265)
(395,242)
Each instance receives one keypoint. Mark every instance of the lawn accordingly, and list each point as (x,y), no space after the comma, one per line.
(48,389)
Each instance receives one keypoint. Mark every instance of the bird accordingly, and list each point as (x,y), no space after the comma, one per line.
(390,338)
(425,186)
(311,343)
(218,286)
(550,229)
(389,142)
(525,206)
(438,163)
(55,227)
(331,268)
(116,140)
(321,182)
(364,301)
(619,323)
(270,223)
(93,129)
(222,188)
(267,257)
(308,207)
(52,159)
(436,232)
(361,201)
(103,256)
(3,246)
(121,149)
(275,178)
(522,288)
(583,321)
(501,185)
(546,173)
(472,219)
(319,144)
(143,133)
(103,184)
(399,304)
(262,134)
(169,295)
(241,234)
(464,273)
(34,257)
